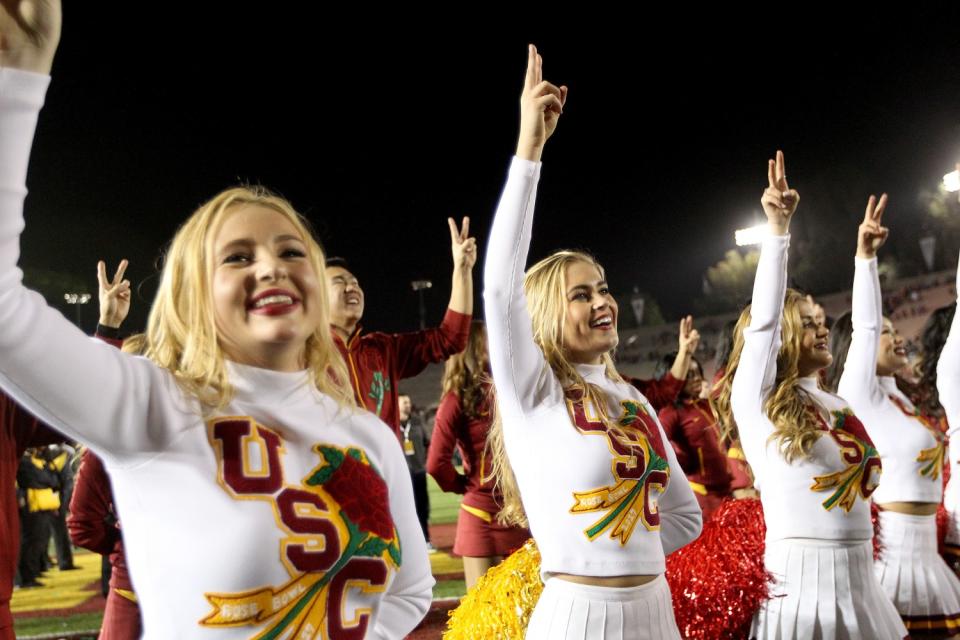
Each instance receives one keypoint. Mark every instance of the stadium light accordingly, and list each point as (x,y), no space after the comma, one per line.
(951,181)
(750,235)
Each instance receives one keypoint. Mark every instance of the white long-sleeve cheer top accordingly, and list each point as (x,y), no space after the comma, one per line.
(824,495)
(948,388)
(282,514)
(597,506)
(912,450)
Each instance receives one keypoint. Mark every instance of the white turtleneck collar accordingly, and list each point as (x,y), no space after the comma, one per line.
(265,386)
(889,386)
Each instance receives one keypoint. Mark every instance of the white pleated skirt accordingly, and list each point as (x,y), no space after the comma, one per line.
(825,590)
(570,611)
(914,576)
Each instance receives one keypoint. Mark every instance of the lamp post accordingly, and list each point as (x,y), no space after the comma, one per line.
(78,300)
(420,286)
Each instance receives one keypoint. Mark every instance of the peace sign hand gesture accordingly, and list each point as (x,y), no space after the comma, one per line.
(779,200)
(689,337)
(871,236)
(541,104)
(463,246)
(114,295)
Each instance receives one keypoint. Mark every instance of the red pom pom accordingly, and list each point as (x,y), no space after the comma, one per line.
(719,581)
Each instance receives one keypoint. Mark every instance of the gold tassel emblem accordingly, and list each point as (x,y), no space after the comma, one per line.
(862,460)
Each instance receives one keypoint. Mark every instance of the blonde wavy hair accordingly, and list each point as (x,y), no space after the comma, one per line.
(181,333)
(135,344)
(545,287)
(795,426)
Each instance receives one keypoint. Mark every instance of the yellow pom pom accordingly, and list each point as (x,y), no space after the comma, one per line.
(500,604)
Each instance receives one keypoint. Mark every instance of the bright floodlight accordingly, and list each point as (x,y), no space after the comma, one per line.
(951,181)
(751,235)
(77,298)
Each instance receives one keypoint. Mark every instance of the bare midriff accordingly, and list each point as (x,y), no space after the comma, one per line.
(606,581)
(911,508)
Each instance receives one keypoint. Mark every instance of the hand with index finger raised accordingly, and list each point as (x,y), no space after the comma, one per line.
(541,104)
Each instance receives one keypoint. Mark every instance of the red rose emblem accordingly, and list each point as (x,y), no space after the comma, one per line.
(852,425)
(363,496)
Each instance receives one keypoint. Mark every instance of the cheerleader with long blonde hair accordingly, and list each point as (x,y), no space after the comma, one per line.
(235,441)
(868,353)
(814,464)
(581,454)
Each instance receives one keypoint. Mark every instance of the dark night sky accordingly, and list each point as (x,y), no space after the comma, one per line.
(379,133)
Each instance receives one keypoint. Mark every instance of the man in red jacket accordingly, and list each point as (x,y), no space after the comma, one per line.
(378,361)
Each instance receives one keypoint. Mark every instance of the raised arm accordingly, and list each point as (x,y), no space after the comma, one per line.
(689,339)
(464,249)
(859,384)
(948,371)
(758,362)
(81,387)
(663,392)
(515,359)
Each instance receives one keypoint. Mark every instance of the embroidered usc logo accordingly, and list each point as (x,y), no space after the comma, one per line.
(863,463)
(935,458)
(339,535)
(639,466)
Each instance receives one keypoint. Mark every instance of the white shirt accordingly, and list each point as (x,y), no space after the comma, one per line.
(594,510)
(948,387)
(912,452)
(825,494)
(227,519)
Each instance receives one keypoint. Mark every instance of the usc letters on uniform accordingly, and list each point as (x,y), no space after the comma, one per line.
(282,513)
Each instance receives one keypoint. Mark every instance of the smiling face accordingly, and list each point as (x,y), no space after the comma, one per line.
(265,290)
(590,321)
(345,298)
(814,348)
(891,352)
